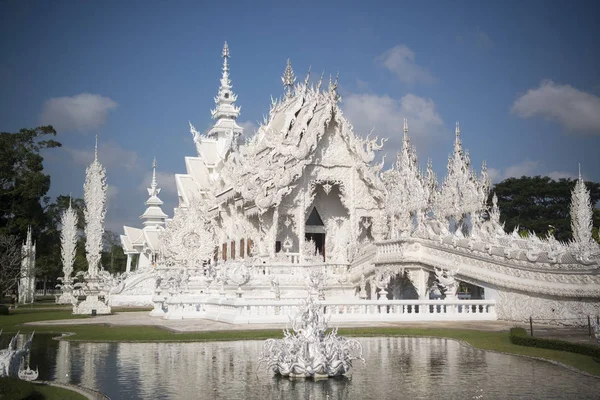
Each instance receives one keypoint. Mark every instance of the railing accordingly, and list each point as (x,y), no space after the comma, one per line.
(277,311)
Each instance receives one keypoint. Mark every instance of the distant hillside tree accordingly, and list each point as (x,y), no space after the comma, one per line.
(540,204)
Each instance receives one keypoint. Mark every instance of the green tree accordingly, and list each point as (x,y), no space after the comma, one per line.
(22,180)
(113,258)
(540,204)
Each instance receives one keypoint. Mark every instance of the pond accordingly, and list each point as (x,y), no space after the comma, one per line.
(411,368)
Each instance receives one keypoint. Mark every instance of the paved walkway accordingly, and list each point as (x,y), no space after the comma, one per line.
(141,318)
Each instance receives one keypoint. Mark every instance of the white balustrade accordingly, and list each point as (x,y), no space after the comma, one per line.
(242,310)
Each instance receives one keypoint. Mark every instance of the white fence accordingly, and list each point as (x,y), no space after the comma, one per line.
(249,311)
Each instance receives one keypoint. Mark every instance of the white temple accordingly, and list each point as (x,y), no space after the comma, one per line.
(27,277)
(303,194)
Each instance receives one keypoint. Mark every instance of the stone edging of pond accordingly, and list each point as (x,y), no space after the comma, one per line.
(82,390)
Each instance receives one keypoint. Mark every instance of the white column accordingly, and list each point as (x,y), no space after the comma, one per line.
(129,257)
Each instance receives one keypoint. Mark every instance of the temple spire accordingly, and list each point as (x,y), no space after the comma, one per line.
(153,184)
(226,111)
(457,141)
(154,215)
(288,79)
(96,149)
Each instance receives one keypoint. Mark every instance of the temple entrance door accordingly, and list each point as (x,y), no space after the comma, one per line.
(315,230)
(319,239)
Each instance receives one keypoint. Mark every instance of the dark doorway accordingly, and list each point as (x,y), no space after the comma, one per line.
(319,239)
(314,219)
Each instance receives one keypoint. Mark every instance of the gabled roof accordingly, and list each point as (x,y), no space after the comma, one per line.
(269,165)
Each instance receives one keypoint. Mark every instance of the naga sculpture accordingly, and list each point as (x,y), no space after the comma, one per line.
(447,281)
(11,357)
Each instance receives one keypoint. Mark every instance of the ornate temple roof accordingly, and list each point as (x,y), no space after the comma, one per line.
(268,166)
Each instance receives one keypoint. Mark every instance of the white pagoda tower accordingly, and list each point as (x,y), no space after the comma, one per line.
(27,281)
(145,241)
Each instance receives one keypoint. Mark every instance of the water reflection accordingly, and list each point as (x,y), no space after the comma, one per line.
(415,368)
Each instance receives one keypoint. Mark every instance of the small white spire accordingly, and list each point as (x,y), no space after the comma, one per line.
(154,184)
(579,164)
(288,78)
(225,53)
(320,81)
(96,149)
(457,130)
(307,76)
(405,126)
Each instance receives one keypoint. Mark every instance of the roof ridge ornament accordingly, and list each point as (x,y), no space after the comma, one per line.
(320,82)
(333,86)
(288,79)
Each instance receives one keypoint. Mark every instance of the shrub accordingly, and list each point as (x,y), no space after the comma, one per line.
(519,337)
(3,310)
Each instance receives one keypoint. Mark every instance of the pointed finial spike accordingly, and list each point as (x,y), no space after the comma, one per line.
(405,126)
(225,52)
(307,76)
(96,149)
(457,130)
(579,170)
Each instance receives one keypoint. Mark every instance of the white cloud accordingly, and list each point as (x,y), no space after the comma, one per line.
(110,154)
(249,128)
(526,168)
(385,114)
(400,60)
(81,113)
(575,110)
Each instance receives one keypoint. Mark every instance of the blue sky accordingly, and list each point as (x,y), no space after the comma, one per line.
(523,79)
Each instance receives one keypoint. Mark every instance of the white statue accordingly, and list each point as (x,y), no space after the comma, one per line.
(447,281)
(68,242)
(94,283)
(11,357)
(308,352)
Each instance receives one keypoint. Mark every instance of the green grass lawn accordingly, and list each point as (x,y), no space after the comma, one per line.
(496,341)
(15,389)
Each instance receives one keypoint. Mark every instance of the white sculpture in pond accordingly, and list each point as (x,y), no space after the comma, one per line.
(11,357)
(310,351)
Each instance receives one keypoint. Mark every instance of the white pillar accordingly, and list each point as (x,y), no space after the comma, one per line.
(129,257)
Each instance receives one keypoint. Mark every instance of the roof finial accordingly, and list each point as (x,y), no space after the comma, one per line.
(457,130)
(96,150)
(225,53)
(154,184)
(307,77)
(70,198)
(288,78)
(579,164)
(320,82)
(405,126)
